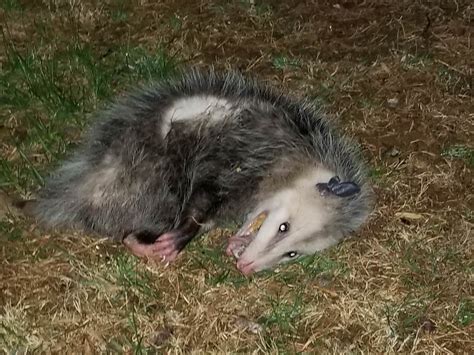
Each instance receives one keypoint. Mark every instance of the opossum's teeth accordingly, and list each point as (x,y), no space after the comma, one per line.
(239,242)
(237,245)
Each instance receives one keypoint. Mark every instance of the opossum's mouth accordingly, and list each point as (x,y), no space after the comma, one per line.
(240,241)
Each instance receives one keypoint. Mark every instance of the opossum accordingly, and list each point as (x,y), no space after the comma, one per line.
(163,162)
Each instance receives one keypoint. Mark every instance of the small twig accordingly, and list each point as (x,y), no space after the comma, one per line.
(450,67)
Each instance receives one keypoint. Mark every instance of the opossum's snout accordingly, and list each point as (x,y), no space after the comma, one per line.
(252,245)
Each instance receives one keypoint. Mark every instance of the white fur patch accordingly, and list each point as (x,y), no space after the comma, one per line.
(313,176)
(195,107)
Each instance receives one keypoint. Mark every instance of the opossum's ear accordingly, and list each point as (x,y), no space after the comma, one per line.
(334,181)
(345,189)
(341,189)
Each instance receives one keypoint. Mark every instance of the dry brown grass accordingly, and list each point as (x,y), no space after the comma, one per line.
(397,75)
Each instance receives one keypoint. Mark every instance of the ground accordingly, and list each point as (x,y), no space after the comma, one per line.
(394,75)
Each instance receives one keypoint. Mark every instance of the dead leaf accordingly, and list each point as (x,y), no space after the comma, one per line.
(161,337)
(410,216)
(246,324)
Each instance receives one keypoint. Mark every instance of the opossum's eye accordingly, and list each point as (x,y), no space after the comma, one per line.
(291,254)
(284,227)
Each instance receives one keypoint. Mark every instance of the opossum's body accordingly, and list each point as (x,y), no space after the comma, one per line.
(160,163)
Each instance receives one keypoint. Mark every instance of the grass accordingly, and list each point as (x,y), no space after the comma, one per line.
(406,319)
(465,314)
(124,273)
(400,285)
(284,314)
(10,230)
(322,266)
(54,94)
(283,62)
(460,152)
(418,61)
(10,5)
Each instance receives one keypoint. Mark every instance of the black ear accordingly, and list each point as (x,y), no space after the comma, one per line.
(345,189)
(341,189)
(334,181)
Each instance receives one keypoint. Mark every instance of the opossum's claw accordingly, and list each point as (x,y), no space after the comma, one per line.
(167,246)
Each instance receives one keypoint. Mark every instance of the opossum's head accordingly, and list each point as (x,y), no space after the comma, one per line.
(293,222)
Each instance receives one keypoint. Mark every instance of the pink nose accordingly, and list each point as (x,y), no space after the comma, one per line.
(245,267)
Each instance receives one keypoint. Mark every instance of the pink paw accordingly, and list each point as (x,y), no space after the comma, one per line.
(163,249)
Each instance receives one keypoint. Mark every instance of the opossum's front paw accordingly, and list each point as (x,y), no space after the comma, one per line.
(164,248)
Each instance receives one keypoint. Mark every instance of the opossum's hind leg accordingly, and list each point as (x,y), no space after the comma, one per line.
(168,245)
(157,250)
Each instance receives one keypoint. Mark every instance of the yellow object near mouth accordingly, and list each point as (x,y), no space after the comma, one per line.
(257,222)
(239,242)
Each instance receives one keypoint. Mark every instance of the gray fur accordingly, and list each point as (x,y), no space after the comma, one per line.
(127,176)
